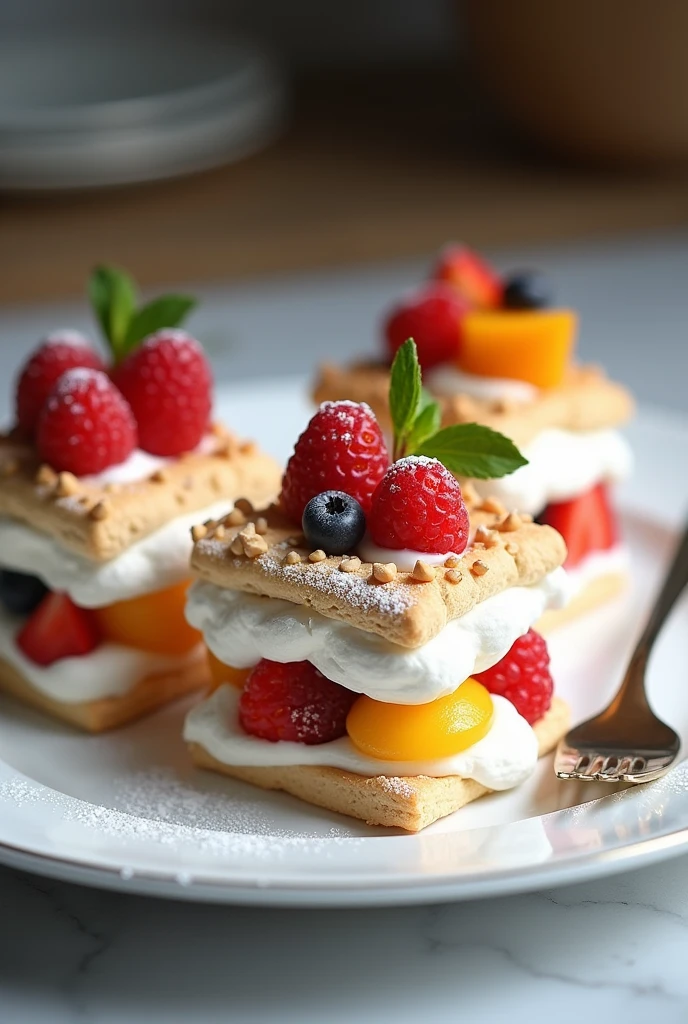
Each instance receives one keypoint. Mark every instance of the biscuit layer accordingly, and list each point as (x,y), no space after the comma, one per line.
(149,694)
(587,400)
(99,522)
(410,803)
(404,611)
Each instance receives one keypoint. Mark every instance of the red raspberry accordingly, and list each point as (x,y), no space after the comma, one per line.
(86,425)
(418,505)
(168,383)
(341,449)
(61,351)
(293,702)
(433,319)
(523,677)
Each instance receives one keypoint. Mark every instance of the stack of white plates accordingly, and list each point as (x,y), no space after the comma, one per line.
(108,109)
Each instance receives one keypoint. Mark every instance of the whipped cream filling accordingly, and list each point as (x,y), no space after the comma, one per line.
(152,563)
(140,465)
(448,380)
(596,564)
(111,670)
(404,558)
(562,464)
(240,629)
(502,759)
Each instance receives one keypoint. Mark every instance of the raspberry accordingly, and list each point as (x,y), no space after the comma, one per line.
(61,351)
(86,425)
(168,384)
(433,319)
(418,505)
(293,702)
(341,449)
(523,677)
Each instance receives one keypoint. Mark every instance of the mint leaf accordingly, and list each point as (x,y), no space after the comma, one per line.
(426,424)
(404,393)
(167,311)
(472,450)
(113,297)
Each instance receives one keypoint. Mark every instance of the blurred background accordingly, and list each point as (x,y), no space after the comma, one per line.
(209,142)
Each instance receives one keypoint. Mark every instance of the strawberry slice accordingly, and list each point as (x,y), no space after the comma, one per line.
(57,629)
(586,523)
(474,278)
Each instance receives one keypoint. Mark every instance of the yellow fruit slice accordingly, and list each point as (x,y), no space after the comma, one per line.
(221,673)
(531,346)
(421,732)
(153,622)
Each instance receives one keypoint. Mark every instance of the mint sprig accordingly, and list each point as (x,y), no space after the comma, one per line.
(466,449)
(113,297)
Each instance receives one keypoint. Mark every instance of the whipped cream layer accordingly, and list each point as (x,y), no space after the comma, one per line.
(404,558)
(240,629)
(111,670)
(448,380)
(502,759)
(140,465)
(562,464)
(152,563)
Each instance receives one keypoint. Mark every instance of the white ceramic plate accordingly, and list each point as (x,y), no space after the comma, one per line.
(127,811)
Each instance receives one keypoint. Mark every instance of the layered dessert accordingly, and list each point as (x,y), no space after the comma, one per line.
(495,351)
(101,478)
(370,634)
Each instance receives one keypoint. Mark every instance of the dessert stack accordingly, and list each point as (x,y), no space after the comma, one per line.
(101,477)
(496,351)
(370,634)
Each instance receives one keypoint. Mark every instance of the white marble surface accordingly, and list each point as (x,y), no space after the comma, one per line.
(613,947)
(609,950)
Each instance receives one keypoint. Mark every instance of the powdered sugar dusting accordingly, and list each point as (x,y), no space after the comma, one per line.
(68,336)
(394,784)
(346,587)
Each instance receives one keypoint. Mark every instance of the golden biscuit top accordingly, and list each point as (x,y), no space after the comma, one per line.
(262,553)
(99,521)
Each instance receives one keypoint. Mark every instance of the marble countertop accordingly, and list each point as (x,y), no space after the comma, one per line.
(613,949)
(617,946)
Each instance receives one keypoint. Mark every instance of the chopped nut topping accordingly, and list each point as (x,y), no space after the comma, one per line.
(487,537)
(219,532)
(423,572)
(198,532)
(67,485)
(492,505)
(293,558)
(453,576)
(350,564)
(210,524)
(261,525)
(235,518)
(252,544)
(247,447)
(244,505)
(100,511)
(159,476)
(317,556)
(512,548)
(218,429)
(46,476)
(479,568)
(453,562)
(237,547)
(510,523)
(525,517)
(384,572)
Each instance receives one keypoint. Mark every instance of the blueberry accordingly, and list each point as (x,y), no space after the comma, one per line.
(20,593)
(334,522)
(527,289)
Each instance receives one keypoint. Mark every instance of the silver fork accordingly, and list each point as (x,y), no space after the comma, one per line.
(627,742)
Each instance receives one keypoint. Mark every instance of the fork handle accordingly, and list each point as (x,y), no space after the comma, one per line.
(673,585)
